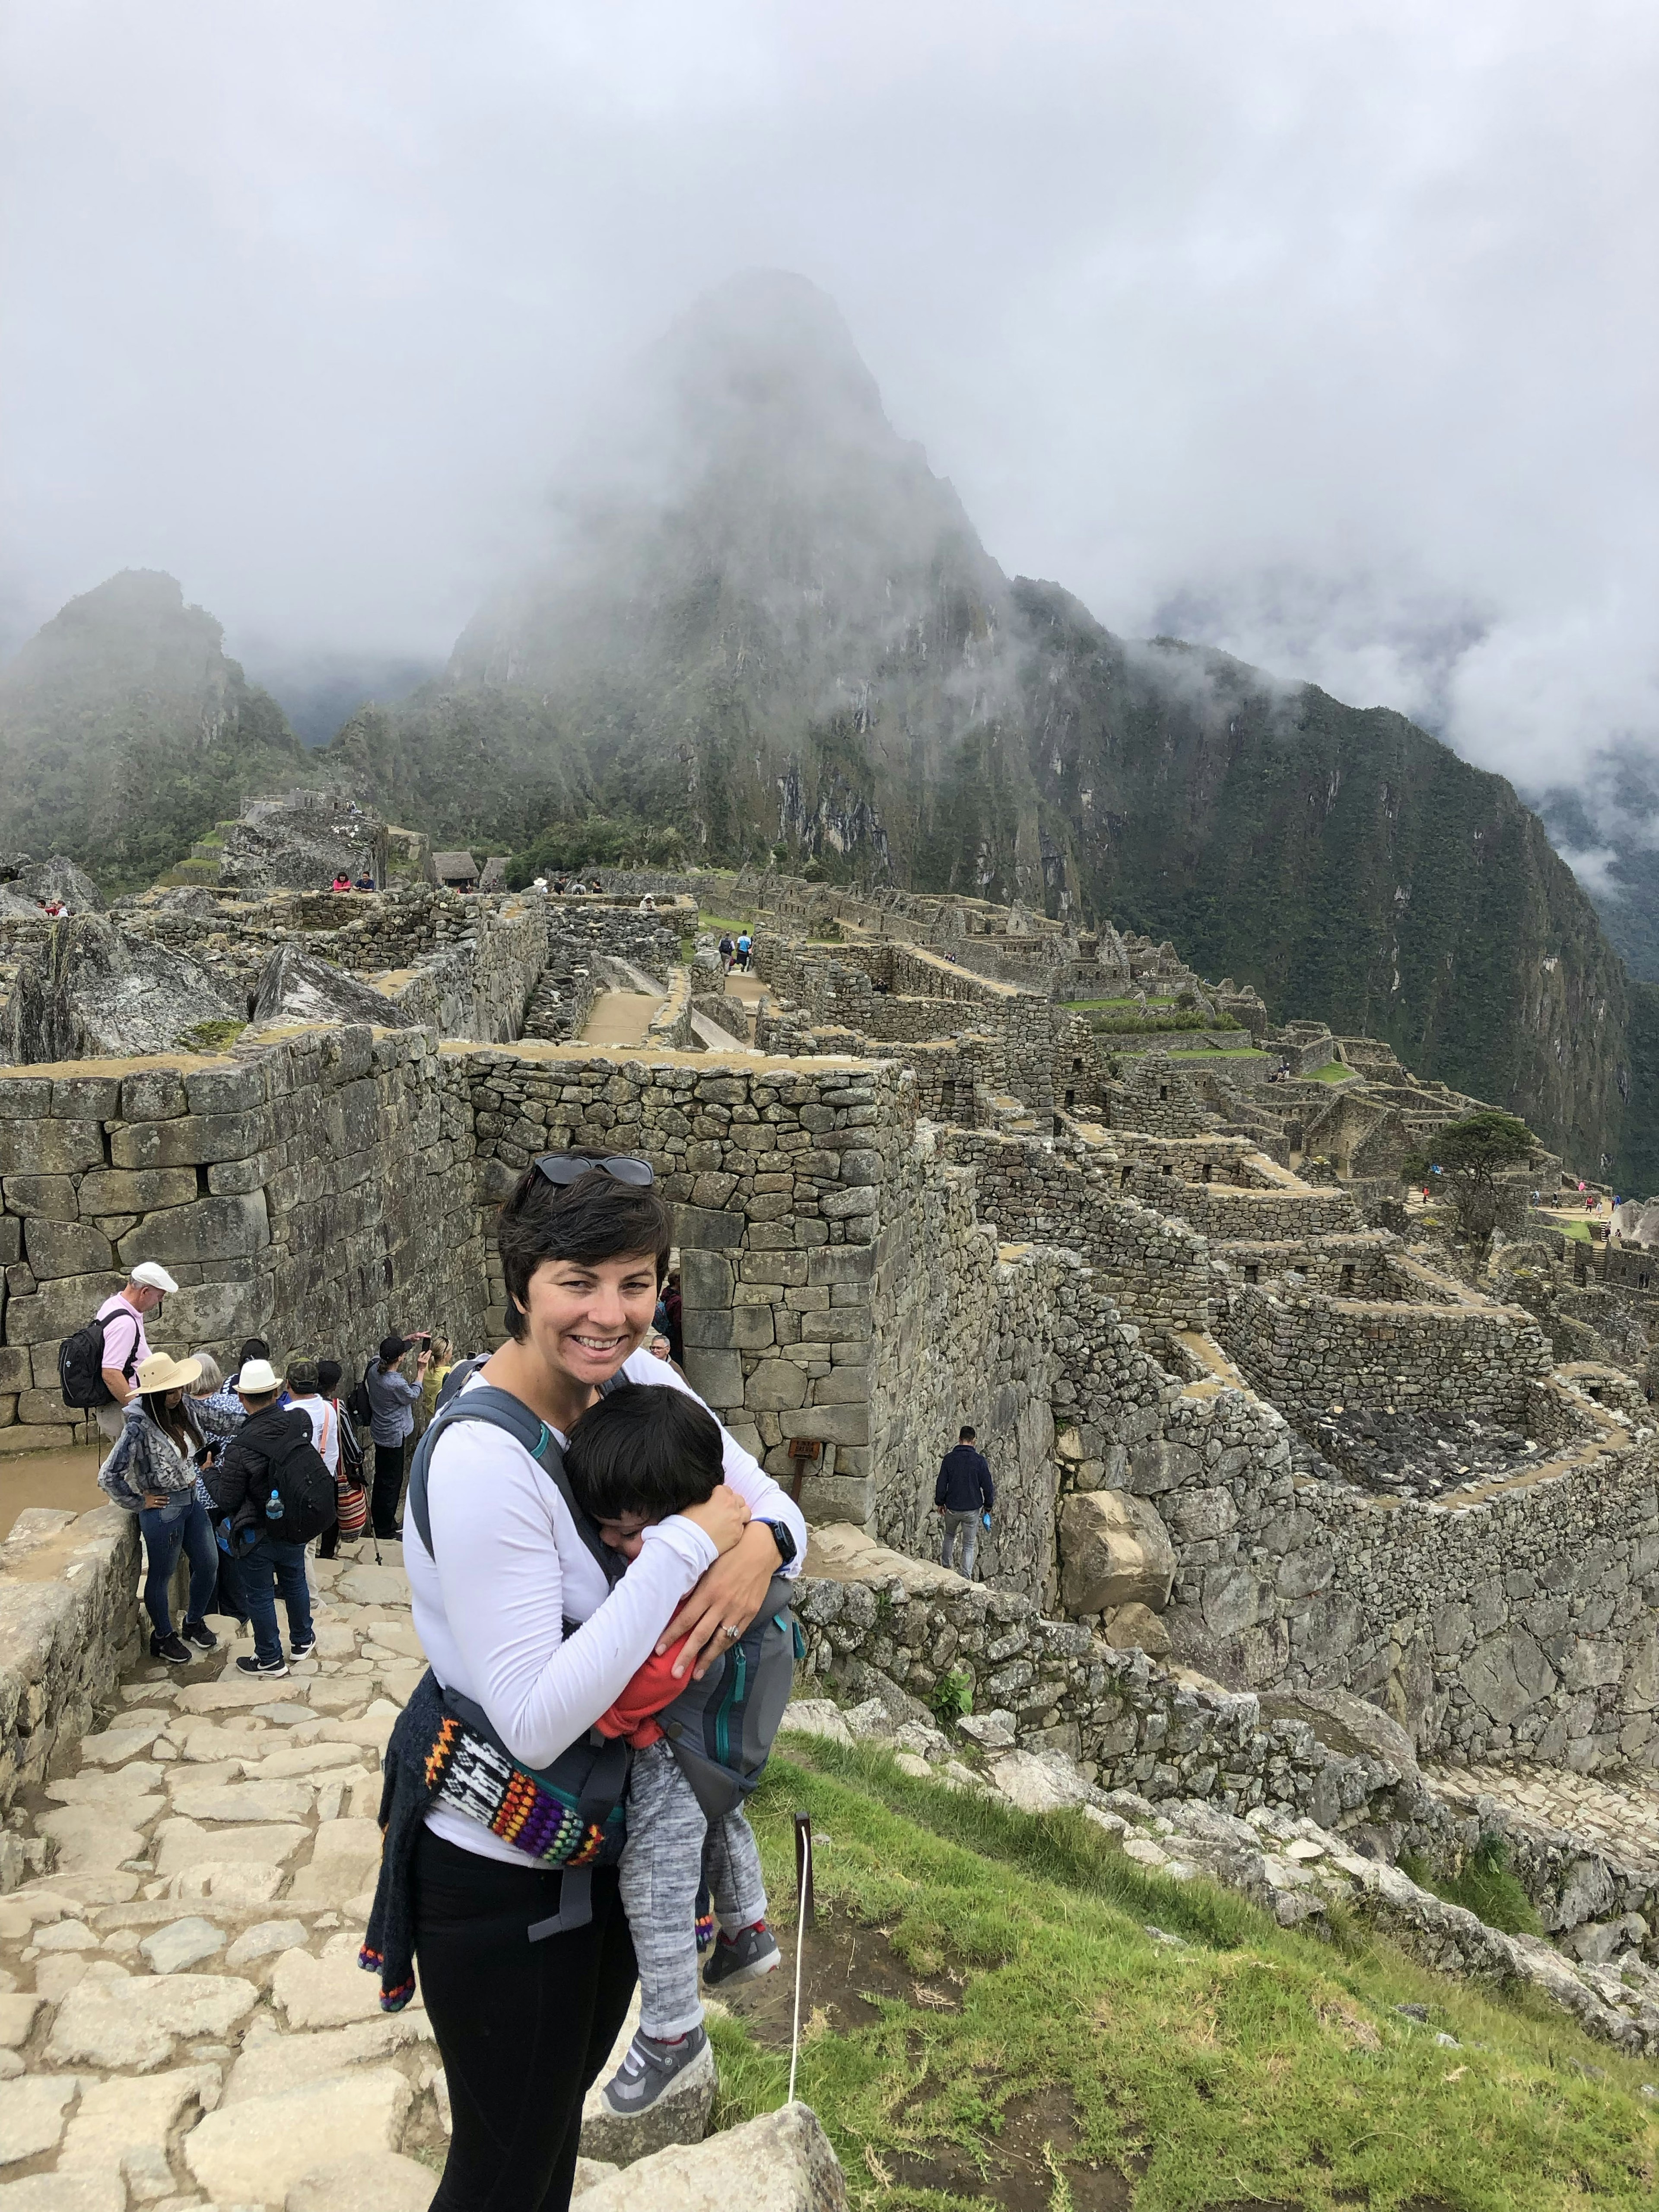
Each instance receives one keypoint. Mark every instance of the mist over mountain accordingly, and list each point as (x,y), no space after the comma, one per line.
(125,731)
(760,616)
(320,690)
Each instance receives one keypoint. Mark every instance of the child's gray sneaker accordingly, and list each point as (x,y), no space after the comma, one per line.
(744,1957)
(648,2068)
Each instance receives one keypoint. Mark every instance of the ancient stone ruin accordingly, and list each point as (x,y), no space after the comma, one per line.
(1313,1527)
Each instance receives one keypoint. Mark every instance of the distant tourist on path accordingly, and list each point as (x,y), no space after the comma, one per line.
(728,952)
(745,946)
(305,1395)
(525,1961)
(259,1472)
(125,1346)
(963,1492)
(350,1479)
(153,1472)
(393,1396)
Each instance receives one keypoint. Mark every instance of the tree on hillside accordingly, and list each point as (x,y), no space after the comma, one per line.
(1471,1155)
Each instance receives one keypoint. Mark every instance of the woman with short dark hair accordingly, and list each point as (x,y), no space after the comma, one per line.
(508,1908)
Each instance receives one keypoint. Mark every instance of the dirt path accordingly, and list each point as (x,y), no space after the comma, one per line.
(620,1018)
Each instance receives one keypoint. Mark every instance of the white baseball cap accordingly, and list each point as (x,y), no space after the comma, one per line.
(153,1276)
(258,1378)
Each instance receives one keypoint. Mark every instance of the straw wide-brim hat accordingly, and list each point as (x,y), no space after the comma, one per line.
(161,1372)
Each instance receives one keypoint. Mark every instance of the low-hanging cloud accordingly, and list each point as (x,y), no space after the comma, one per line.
(1326,337)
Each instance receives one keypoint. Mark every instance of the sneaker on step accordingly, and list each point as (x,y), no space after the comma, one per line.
(250,1663)
(172,1648)
(198,1633)
(744,1957)
(648,2068)
(303,1651)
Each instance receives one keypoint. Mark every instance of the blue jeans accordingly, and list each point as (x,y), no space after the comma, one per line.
(268,1568)
(166,1528)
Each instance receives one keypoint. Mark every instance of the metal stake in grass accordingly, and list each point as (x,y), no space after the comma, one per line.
(802,1914)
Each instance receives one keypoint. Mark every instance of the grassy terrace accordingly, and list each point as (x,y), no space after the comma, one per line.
(1333,1070)
(1091,1006)
(995,2013)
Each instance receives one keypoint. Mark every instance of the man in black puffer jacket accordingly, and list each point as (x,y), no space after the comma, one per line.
(244,1488)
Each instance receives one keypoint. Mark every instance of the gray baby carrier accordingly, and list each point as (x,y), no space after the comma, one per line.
(719,1730)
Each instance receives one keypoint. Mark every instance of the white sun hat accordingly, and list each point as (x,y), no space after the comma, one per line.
(161,1372)
(153,1276)
(258,1378)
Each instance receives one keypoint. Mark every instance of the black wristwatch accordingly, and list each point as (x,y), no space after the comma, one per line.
(783,1540)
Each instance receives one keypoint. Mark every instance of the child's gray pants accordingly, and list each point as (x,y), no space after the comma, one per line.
(661,1871)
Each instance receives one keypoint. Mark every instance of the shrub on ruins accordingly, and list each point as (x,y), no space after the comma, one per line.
(1483,1884)
(1465,1161)
(953,1696)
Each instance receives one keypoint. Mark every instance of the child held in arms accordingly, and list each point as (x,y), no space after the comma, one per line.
(634,1457)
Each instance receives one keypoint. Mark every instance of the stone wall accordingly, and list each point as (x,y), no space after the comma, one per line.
(1154,1269)
(1241,1216)
(316,1190)
(1307,1351)
(69,1627)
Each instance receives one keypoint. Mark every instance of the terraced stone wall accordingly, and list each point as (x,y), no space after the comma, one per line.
(316,1190)
(1154,1269)
(1307,1351)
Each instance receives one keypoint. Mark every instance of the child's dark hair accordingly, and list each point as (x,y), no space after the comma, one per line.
(596,1218)
(643,1448)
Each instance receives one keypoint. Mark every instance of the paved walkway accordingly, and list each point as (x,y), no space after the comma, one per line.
(1620,1818)
(620,1018)
(182,2016)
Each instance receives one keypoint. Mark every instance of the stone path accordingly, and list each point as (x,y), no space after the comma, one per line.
(183,2021)
(1621,1818)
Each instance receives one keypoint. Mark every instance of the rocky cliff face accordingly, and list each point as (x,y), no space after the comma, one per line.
(766,620)
(125,732)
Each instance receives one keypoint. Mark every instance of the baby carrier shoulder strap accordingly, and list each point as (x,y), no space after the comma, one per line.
(502,1410)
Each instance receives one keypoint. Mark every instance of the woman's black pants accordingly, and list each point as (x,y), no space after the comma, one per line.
(523,2028)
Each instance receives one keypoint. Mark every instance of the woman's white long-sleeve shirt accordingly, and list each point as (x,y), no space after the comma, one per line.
(510,1569)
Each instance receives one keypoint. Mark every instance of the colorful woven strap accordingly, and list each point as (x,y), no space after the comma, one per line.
(473,1779)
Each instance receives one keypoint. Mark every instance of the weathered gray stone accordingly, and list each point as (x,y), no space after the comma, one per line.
(121,1190)
(296,985)
(32,2114)
(94,990)
(783,2162)
(257,2150)
(208,1229)
(265,1938)
(137,2022)
(371,2181)
(181,1944)
(65,1247)
(1115,1551)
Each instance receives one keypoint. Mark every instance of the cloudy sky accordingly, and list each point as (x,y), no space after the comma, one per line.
(1326,333)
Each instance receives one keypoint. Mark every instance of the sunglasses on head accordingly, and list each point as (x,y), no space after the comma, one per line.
(562,1168)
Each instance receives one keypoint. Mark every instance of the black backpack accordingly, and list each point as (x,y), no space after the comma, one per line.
(81,1366)
(296,1482)
(359,1405)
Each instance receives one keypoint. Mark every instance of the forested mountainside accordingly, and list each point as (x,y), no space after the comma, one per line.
(125,732)
(767,621)
(764,620)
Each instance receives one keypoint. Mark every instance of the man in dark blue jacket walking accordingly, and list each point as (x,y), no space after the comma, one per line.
(964,1492)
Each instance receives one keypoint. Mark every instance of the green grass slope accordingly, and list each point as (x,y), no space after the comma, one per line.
(988,2021)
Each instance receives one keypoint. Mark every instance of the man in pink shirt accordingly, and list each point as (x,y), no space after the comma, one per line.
(125,1341)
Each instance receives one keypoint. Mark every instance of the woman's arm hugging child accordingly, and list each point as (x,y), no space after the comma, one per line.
(634,1458)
